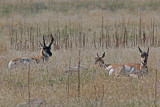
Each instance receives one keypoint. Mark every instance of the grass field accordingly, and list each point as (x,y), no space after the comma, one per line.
(116,27)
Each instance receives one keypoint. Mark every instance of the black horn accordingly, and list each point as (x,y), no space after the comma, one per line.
(41,45)
(44,44)
(52,39)
(103,55)
(139,49)
(148,51)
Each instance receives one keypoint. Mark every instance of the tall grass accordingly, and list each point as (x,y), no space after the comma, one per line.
(121,34)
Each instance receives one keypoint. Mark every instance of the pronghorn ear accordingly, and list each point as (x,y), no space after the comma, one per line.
(139,49)
(103,55)
(148,51)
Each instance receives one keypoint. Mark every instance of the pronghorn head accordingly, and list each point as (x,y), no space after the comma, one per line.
(46,49)
(144,56)
(99,59)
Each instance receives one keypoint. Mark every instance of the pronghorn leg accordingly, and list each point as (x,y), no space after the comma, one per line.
(120,71)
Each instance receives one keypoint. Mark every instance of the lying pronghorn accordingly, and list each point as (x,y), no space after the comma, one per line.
(45,53)
(132,69)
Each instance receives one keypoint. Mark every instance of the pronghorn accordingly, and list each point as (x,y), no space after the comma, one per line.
(132,69)
(45,53)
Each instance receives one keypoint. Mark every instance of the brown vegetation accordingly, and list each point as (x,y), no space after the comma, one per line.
(81,29)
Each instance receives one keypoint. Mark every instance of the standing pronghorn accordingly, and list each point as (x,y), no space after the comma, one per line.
(45,53)
(132,69)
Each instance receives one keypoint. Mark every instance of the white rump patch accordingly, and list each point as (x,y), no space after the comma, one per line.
(109,67)
(111,71)
(11,63)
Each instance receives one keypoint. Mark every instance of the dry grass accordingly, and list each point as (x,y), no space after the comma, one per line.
(50,81)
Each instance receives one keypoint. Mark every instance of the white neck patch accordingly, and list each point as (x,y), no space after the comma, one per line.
(45,53)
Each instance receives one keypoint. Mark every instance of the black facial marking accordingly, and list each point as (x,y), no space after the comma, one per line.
(99,60)
(144,54)
(48,50)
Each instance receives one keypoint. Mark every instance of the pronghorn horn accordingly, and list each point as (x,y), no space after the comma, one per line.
(139,49)
(103,55)
(148,51)
(41,44)
(44,41)
(51,40)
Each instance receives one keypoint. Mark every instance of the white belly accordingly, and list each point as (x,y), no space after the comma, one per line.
(128,68)
(27,60)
